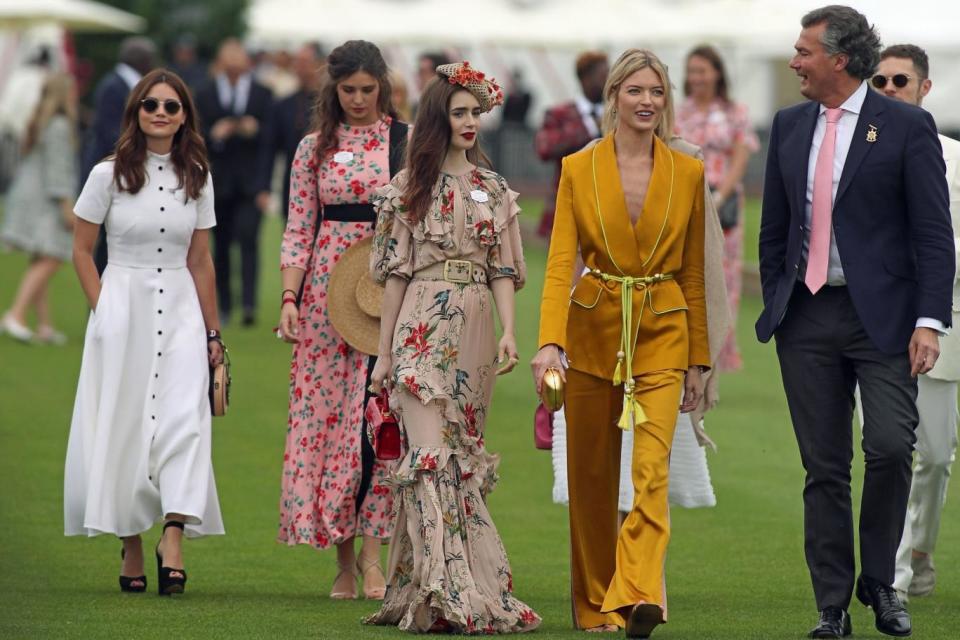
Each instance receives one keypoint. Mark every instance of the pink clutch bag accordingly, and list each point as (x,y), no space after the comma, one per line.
(543,428)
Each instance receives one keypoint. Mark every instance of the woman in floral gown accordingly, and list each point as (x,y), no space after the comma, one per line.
(447,237)
(333,489)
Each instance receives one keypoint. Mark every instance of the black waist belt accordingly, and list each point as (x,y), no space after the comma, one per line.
(349,212)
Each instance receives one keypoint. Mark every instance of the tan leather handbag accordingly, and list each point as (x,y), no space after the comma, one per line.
(220,386)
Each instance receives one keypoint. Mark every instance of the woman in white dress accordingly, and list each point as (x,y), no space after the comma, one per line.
(139,448)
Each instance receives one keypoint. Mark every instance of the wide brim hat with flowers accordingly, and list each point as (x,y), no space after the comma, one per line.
(487,92)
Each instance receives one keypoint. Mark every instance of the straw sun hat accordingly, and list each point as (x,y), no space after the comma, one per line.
(354,299)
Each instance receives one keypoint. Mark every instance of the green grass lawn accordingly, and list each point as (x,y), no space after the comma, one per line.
(735,571)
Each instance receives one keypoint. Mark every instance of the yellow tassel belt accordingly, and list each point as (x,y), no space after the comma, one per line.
(633,413)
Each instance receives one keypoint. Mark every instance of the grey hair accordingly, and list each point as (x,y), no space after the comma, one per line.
(849,33)
(139,52)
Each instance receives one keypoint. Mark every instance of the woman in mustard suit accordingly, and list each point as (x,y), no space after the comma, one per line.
(630,340)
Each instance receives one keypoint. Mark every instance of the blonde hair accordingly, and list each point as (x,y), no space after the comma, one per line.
(629,62)
(56,99)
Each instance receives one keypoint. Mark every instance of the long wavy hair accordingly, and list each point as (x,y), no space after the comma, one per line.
(429,144)
(349,58)
(56,99)
(188,153)
(629,62)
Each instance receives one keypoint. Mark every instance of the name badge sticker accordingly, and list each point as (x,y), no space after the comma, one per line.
(479,196)
(342,157)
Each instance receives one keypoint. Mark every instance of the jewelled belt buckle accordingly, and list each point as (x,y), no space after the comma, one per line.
(458,271)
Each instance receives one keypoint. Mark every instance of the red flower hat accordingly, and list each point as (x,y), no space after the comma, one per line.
(486,91)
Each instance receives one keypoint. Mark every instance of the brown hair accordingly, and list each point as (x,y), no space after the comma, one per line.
(712,56)
(56,99)
(349,58)
(629,62)
(587,61)
(188,153)
(911,52)
(428,146)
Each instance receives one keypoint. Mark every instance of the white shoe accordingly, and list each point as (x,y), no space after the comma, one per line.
(49,335)
(16,330)
(924,576)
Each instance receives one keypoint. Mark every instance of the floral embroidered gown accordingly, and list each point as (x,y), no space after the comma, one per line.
(322,463)
(447,568)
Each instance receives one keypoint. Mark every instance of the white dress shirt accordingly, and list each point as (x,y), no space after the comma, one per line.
(590,113)
(845,128)
(233,98)
(129,75)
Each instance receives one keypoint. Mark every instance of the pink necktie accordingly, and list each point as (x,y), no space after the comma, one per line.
(818,254)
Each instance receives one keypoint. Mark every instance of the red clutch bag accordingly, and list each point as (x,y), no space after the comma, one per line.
(384,430)
(543,428)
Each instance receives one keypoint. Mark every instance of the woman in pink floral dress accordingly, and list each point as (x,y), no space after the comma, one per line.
(721,128)
(333,489)
(447,238)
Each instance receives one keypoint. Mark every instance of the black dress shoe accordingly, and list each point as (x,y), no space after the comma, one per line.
(892,618)
(834,623)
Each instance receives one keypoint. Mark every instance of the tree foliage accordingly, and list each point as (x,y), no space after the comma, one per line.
(210,21)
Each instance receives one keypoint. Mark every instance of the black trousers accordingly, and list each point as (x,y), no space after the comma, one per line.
(238,221)
(824,353)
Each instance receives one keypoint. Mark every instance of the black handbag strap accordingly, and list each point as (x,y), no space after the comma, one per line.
(398,146)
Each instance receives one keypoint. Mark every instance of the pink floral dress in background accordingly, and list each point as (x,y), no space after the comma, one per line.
(716,131)
(322,463)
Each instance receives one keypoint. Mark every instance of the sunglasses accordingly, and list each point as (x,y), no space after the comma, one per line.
(171,106)
(899,80)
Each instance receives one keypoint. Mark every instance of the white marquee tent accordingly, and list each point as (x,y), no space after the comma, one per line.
(541,37)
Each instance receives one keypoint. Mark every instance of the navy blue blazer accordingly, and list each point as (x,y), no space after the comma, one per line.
(891,220)
(110,99)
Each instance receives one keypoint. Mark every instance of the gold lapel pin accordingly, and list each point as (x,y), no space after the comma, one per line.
(871,133)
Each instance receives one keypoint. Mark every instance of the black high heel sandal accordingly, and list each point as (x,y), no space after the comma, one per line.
(126,582)
(169,584)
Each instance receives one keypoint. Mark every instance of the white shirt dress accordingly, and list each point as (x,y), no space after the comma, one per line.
(140,440)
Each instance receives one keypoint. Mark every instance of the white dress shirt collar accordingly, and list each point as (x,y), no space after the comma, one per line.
(854,103)
(129,75)
(589,113)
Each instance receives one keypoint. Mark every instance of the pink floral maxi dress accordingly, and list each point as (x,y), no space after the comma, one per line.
(322,463)
(716,131)
(447,568)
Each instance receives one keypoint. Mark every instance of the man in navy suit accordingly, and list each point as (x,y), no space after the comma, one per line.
(857,266)
(137,56)
(235,115)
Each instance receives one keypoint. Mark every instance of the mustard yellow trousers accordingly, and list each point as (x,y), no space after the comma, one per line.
(611,569)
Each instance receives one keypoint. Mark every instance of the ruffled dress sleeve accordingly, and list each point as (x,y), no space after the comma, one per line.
(303,214)
(392,253)
(505,258)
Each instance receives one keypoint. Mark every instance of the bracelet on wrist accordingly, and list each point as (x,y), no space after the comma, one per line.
(284,293)
(286,300)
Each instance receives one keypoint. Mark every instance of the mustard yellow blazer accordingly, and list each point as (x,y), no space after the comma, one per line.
(668,319)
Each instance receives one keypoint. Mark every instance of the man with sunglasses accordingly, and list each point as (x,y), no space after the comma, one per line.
(904,74)
(857,267)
